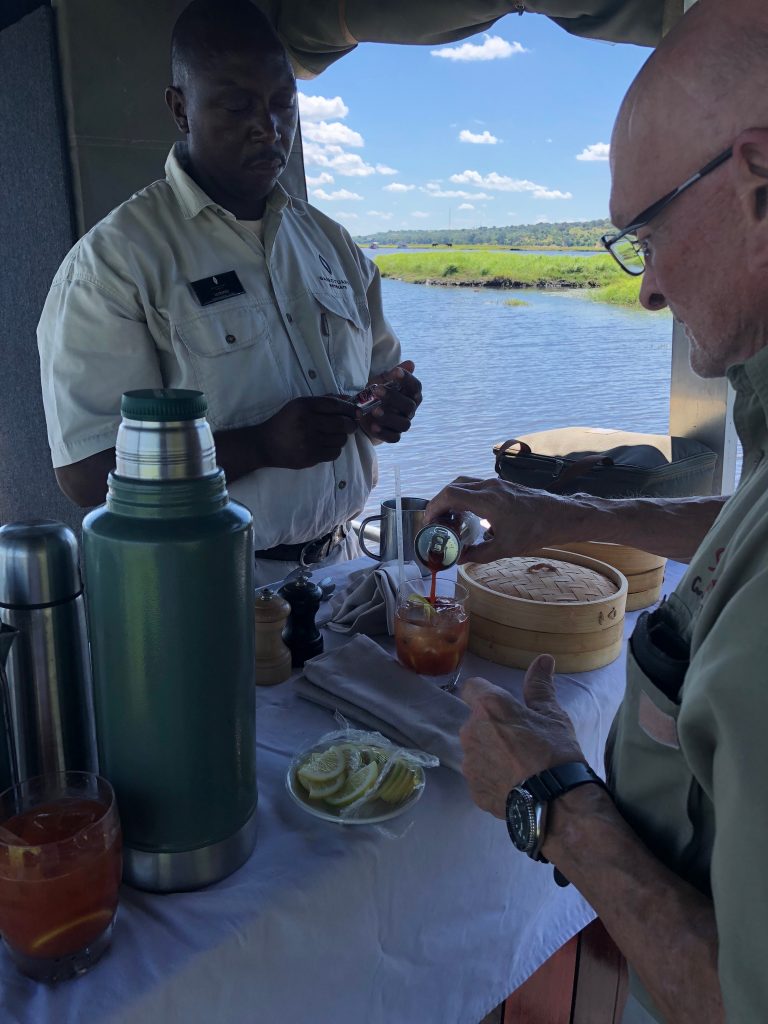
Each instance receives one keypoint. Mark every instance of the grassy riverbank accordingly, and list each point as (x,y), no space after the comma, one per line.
(600,274)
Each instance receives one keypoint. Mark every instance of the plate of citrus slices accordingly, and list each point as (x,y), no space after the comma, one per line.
(357,778)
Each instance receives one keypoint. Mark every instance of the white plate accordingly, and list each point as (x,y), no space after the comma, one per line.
(376,811)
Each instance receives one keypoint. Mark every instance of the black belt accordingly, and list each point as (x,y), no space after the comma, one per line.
(309,552)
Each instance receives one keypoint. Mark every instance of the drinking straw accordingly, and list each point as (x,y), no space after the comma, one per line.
(399,530)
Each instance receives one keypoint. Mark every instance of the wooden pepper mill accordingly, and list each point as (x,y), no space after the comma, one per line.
(273,658)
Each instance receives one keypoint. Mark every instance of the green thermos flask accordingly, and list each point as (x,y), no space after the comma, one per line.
(168,566)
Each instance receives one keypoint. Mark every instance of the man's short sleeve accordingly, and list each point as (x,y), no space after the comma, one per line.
(93,347)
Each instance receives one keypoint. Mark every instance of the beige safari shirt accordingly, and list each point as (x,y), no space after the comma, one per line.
(308,320)
(691,774)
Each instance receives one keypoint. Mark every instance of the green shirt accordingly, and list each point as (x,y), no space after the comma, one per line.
(691,775)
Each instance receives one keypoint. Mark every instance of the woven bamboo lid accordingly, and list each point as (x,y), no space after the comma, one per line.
(547,580)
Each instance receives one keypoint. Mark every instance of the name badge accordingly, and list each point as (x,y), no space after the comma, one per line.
(214,289)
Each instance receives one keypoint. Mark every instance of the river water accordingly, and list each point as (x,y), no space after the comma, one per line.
(491,372)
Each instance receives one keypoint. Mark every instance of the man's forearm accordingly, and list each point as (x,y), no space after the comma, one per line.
(240,451)
(664,927)
(670,527)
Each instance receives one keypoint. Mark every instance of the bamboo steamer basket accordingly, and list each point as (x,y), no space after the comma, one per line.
(557,602)
(644,571)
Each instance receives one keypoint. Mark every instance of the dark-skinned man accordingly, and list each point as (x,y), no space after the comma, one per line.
(215,279)
(673,854)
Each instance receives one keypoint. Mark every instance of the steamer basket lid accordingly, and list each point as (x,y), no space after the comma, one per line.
(546,580)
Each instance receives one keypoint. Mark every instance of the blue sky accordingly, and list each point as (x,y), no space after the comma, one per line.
(391,131)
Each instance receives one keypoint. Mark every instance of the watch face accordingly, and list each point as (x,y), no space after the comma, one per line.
(521,819)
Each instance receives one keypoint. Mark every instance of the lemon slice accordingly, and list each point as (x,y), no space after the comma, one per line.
(357,785)
(322,766)
(353,756)
(398,785)
(319,791)
(374,755)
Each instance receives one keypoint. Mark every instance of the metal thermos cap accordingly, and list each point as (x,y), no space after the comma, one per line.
(38,564)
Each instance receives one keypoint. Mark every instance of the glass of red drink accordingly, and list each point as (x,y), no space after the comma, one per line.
(60,867)
(432,629)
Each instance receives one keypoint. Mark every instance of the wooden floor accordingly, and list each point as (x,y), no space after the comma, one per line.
(584,982)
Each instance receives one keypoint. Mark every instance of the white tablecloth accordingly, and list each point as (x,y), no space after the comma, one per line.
(433,923)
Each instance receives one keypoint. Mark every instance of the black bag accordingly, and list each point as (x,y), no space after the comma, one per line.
(573,460)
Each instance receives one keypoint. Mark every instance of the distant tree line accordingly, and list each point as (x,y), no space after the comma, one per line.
(566,235)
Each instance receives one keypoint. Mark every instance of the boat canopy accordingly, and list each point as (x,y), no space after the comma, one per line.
(319,32)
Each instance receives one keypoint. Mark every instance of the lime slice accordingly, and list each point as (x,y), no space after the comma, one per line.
(422,602)
(322,766)
(357,785)
(101,917)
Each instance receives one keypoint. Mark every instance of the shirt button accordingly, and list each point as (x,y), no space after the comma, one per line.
(289,318)
(230,339)
(342,484)
(311,374)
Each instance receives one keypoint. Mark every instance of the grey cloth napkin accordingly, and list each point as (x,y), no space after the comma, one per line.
(367,604)
(364,683)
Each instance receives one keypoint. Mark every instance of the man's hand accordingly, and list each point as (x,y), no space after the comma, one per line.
(305,432)
(393,417)
(505,741)
(521,519)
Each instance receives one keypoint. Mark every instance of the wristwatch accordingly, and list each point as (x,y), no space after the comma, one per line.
(527,803)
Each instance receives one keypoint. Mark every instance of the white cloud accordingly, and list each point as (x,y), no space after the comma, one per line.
(466,206)
(340,193)
(317,108)
(346,215)
(503,183)
(492,48)
(435,192)
(331,133)
(398,186)
(597,151)
(484,138)
(419,213)
(379,213)
(384,169)
(323,178)
(335,159)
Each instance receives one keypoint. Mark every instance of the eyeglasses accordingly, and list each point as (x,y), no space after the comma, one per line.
(625,247)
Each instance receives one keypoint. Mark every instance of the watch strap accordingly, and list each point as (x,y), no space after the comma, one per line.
(554,782)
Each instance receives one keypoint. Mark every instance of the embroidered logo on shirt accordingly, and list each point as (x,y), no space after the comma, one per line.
(332,282)
(655,723)
(699,585)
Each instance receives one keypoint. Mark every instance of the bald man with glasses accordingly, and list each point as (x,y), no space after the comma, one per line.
(672,852)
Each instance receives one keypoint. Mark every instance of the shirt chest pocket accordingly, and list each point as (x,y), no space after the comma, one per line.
(648,773)
(232,358)
(345,330)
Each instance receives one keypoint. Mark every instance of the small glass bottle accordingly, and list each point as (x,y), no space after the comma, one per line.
(439,544)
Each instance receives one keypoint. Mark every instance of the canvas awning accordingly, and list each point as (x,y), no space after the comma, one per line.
(319,32)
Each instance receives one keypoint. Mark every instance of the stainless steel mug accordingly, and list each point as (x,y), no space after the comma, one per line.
(48,668)
(413,520)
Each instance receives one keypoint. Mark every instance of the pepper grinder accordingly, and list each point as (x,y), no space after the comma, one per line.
(301,634)
(273,659)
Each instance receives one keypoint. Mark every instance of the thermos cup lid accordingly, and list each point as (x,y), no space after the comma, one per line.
(38,564)
(163,405)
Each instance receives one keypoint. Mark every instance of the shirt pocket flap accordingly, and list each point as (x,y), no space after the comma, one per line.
(222,332)
(346,306)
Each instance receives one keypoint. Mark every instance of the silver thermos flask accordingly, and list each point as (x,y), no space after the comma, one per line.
(49,700)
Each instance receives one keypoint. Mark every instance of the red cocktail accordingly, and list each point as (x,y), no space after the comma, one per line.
(60,867)
(432,629)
